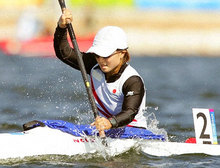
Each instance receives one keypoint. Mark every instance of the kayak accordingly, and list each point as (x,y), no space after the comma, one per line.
(56,137)
(63,138)
(47,141)
(177,148)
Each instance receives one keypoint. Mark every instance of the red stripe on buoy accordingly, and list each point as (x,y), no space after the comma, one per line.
(191,140)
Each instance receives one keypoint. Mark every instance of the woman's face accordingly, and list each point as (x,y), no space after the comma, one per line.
(107,64)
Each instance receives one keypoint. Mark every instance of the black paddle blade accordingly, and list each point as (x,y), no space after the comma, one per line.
(104,141)
(62,4)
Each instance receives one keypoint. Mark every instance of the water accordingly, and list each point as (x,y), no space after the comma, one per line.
(45,88)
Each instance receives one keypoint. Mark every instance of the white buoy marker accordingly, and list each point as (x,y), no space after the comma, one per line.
(205,127)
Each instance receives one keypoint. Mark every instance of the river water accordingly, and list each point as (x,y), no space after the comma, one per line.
(46,88)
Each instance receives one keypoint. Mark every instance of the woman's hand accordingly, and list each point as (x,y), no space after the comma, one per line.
(65,18)
(102,124)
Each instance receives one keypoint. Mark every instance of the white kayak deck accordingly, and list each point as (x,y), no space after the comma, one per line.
(44,141)
(47,141)
(177,148)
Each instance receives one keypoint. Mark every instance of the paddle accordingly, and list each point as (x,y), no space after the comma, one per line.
(82,69)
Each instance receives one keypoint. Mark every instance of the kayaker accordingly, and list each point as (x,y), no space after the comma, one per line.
(118,89)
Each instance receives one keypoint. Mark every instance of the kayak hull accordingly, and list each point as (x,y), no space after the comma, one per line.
(177,148)
(47,141)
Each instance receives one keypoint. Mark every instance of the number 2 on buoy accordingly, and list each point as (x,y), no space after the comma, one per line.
(204,124)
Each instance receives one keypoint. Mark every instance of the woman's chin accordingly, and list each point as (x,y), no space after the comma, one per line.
(105,69)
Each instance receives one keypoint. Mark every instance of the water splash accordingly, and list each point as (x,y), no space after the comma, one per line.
(152,122)
(95,142)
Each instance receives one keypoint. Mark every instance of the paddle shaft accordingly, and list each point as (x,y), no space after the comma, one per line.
(81,66)
(80,62)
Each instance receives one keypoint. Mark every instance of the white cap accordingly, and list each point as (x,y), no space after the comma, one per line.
(108,40)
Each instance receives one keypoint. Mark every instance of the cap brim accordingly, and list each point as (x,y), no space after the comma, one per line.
(101,50)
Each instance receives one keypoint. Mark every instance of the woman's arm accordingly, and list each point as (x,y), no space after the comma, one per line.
(133,90)
(62,48)
(67,54)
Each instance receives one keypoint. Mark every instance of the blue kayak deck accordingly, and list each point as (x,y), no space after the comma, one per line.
(123,132)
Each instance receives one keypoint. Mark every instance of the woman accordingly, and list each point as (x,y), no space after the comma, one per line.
(118,89)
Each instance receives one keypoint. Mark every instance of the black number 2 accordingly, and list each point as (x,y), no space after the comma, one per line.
(203,135)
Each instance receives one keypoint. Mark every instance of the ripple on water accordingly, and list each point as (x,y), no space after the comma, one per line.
(5,127)
(209,95)
(127,159)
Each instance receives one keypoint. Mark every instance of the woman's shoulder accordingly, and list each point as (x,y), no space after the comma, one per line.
(133,77)
(131,71)
(89,61)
